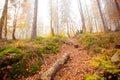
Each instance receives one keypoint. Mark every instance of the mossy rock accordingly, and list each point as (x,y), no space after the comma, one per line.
(116,58)
(10,56)
(2,48)
(7,51)
(28,66)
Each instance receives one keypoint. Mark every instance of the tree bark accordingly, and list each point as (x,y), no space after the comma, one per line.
(82,16)
(102,17)
(51,21)
(3,18)
(50,73)
(15,20)
(34,26)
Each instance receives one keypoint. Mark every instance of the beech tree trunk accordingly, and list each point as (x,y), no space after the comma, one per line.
(3,20)
(102,17)
(82,16)
(34,26)
(15,19)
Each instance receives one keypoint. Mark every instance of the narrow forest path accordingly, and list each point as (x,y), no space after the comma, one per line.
(76,67)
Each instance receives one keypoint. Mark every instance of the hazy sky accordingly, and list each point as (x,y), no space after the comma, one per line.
(44,10)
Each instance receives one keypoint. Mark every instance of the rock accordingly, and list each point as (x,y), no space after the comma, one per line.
(116,58)
(76,46)
(117,46)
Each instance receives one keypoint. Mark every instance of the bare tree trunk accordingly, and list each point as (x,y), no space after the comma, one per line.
(68,30)
(57,18)
(6,19)
(89,20)
(3,21)
(15,20)
(118,8)
(82,16)
(51,21)
(34,26)
(108,12)
(102,17)
(117,5)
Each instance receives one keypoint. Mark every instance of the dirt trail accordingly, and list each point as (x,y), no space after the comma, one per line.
(76,67)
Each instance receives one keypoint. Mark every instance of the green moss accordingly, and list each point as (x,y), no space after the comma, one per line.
(2,48)
(91,41)
(19,69)
(106,65)
(10,50)
(94,77)
(16,58)
(25,67)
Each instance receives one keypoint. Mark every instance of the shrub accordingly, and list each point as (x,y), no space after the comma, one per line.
(52,48)
(91,41)
(107,66)
(19,69)
(34,68)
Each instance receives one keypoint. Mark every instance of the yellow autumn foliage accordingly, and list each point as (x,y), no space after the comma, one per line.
(18,44)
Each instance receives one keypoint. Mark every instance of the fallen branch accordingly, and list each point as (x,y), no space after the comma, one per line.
(50,73)
(71,43)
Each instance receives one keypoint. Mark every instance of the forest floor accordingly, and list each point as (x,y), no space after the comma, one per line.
(74,69)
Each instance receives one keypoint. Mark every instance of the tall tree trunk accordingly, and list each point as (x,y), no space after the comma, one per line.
(68,30)
(51,21)
(82,16)
(34,26)
(14,25)
(15,19)
(117,5)
(102,17)
(3,20)
(118,8)
(57,18)
(89,20)
(6,19)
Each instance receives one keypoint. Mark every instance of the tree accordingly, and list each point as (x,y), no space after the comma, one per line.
(3,20)
(34,25)
(51,18)
(16,12)
(65,9)
(82,16)
(102,17)
(55,16)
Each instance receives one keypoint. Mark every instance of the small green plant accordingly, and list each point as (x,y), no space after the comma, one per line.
(28,66)
(107,66)
(19,69)
(94,77)
(52,48)
(34,68)
(2,48)
(92,41)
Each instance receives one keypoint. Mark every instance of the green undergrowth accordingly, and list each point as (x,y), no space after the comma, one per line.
(109,71)
(98,42)
(6,51)
(28,66)
(103,46)
(25,57)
